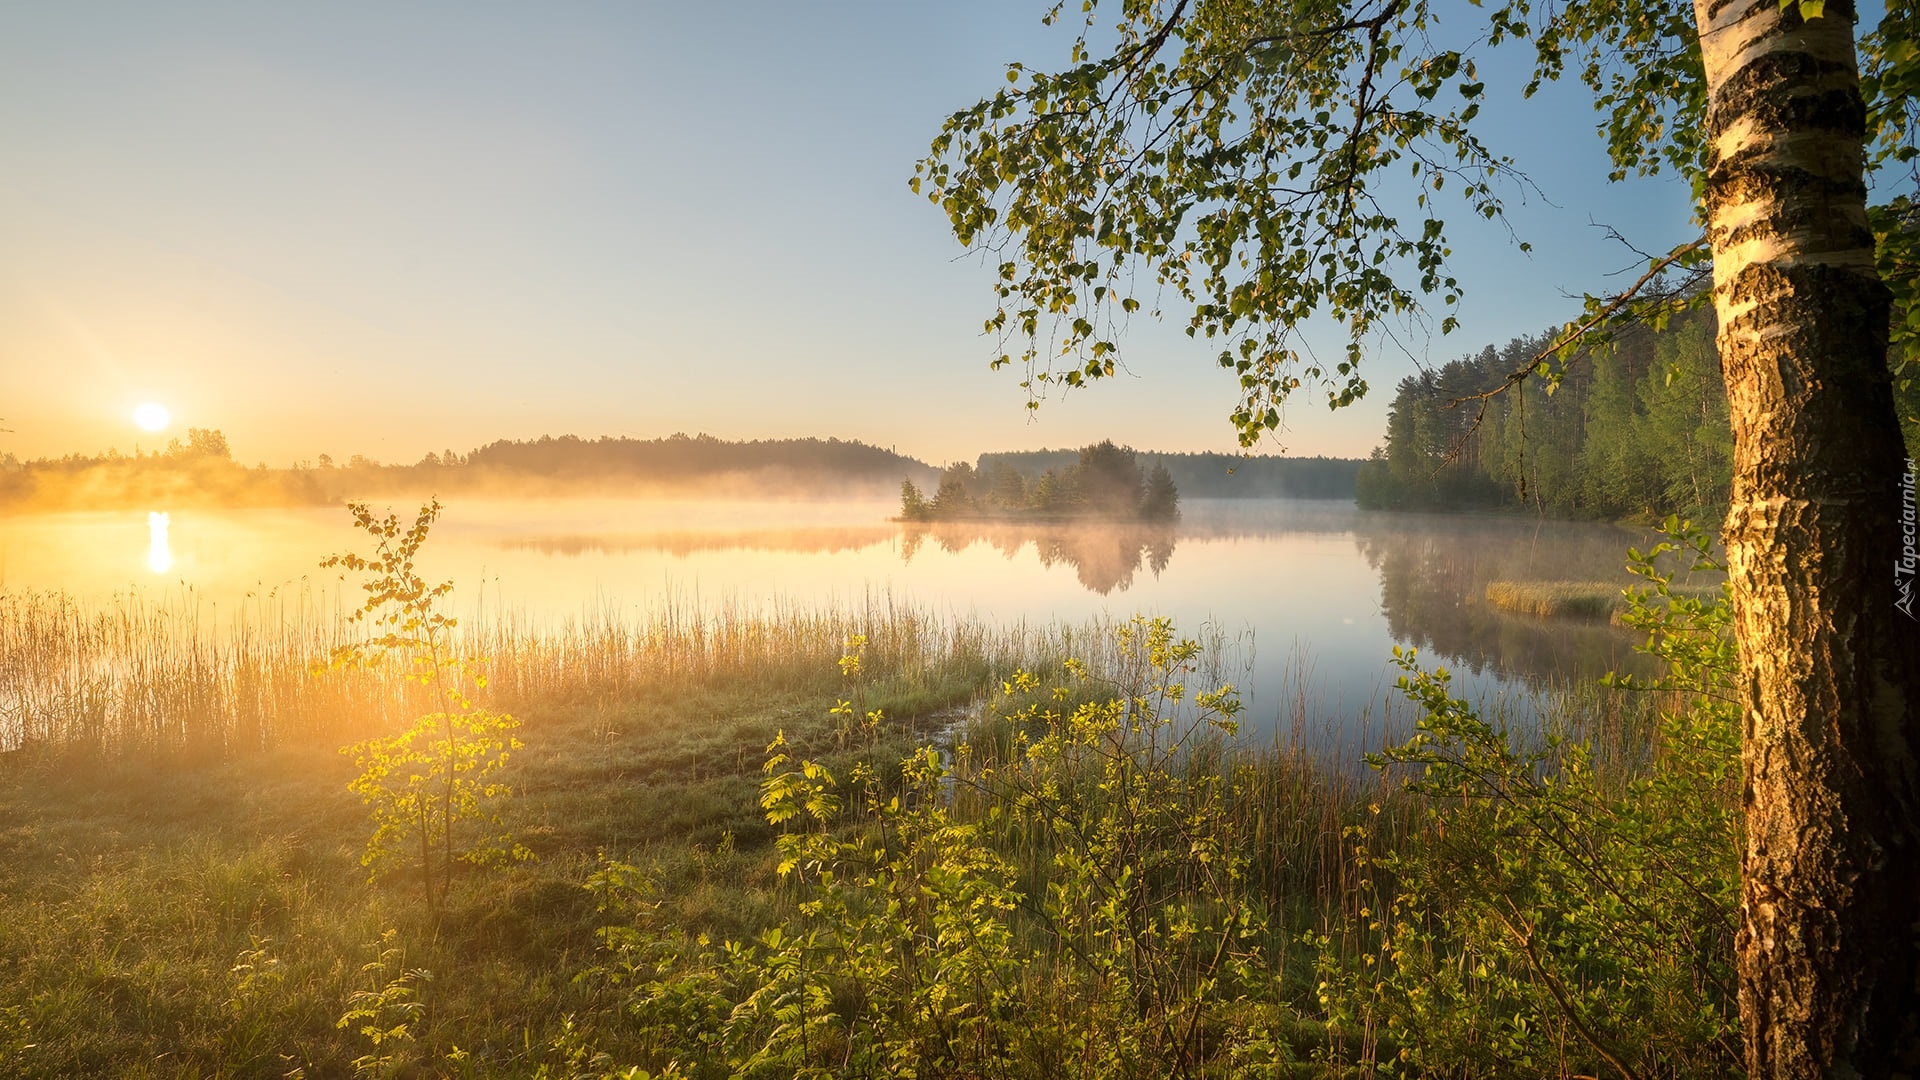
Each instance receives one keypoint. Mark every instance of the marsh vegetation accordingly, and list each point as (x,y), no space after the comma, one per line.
(843,841)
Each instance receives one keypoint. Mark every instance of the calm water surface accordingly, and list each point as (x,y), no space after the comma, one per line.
(1312,596)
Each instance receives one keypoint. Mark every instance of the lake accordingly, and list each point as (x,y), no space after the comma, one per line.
(1310,597)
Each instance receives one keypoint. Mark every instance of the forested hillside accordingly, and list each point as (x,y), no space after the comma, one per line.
(202,473)
(1638,428)
(683,457)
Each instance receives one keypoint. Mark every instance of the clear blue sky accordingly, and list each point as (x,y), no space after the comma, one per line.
(389,228)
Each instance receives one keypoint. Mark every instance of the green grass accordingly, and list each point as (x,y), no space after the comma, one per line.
(179,852)
(1574,599)
(206,918)
(180,887)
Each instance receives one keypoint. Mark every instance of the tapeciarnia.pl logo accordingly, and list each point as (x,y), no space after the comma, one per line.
(1903,570)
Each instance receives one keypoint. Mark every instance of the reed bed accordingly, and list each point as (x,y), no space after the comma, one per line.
(220,921)
(1575,599)
(146,676)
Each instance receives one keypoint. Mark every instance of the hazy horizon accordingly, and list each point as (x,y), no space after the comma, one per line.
(386,231)
(158,442)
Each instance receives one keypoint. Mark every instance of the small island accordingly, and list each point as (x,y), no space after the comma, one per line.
(1106,484)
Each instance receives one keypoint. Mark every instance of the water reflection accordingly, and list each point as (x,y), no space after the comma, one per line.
(817,540)
(159,552)
(1434,572)
(1322,586)
(1104,558)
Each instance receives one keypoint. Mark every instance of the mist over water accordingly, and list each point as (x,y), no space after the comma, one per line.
(1308,597)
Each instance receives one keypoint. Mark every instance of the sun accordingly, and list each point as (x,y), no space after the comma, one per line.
(152,416)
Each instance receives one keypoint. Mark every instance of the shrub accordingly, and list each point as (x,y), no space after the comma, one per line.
(1552,918)
(425,785)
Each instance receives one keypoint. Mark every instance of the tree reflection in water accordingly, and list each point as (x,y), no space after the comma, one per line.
(1105,557)
(1434,571)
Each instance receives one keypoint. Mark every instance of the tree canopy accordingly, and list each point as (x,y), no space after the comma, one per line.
(1246,166)
(1103,482)
(1252,165)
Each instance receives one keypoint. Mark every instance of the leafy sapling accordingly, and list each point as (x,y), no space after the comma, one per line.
(432,789)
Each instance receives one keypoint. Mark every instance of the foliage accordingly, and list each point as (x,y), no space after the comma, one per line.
(201,443)
(1890,82)
(1105,481)
(1247,167)
(955,497)
(1161,502)
(1640,429)
(1077,901)
(913,505)
(386,1012)
(1231,156)
(213,892)
(425,785)
(1206,475)
(1550,918)
(199,472)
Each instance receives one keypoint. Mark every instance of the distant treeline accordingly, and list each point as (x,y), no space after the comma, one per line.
(1211,476)
(201,472)
(691,458)
(1635,428)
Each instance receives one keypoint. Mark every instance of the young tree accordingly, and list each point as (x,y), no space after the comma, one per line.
(1232,155)
(913,505)
(1162,500)
(1108,479)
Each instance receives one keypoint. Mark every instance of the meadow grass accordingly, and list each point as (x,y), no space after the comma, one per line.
(179,852)
(1574,599)
(180,883)
(144,676)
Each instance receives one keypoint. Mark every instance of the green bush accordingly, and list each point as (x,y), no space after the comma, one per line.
(1076,905)
(1091,882)
(1552,918)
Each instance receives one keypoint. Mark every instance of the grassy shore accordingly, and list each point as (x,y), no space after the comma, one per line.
(179,852)
(1103,884)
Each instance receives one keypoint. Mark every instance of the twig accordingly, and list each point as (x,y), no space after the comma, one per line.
(1516,377)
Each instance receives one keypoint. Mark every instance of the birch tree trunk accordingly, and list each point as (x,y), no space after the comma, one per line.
(1829,949)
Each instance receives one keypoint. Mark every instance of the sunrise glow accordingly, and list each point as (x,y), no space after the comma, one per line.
(152,416)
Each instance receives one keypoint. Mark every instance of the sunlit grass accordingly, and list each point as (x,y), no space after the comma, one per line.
(180,891)
(147,676)
(1579,599)
(1575,599)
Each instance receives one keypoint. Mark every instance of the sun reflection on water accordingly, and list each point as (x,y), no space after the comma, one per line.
(159,554)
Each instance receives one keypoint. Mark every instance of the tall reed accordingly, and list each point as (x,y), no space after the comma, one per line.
(144,675)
